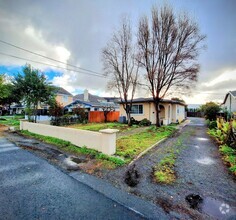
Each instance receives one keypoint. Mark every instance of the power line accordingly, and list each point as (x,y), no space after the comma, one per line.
(51,65)
(29,51)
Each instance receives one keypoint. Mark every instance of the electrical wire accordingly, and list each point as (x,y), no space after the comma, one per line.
(26,59)
(29,51)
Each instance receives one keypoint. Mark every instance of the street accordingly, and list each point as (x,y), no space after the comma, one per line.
(31,188)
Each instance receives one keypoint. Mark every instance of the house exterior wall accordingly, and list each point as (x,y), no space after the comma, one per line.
(230,103)
(170,114)
(139,117)
(64,99)
(180,115)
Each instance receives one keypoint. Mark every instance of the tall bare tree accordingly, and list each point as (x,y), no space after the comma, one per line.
(168,49)
(119,61)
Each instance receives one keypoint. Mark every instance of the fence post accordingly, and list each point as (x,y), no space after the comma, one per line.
(108,141)
(22,123)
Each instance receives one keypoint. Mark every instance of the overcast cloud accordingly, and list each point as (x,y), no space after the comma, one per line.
(76,31)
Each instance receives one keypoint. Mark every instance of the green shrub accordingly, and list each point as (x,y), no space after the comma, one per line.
(212,125)
(145,122)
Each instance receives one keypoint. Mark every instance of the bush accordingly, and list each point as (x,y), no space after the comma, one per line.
(212,125)
(145,122)
(134,122)
(210,110)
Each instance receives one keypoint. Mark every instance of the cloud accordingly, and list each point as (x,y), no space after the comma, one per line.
(76,31)
(222,79)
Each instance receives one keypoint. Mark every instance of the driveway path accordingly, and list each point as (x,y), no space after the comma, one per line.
(31,188)
(199,170)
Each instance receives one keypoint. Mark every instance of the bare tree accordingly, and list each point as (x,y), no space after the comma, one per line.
(119,61)
(168,49)
(107,108)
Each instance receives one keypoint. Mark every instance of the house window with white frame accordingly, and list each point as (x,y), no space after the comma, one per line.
(137,109)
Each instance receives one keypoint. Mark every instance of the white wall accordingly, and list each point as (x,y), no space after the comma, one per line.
(103,141)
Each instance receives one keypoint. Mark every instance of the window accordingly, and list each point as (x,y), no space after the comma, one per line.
(65,98)
(137,109)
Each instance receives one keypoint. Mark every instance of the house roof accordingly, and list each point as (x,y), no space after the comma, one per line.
(62,91)
(88,104)
(91,98)
(138,100)
(232,93)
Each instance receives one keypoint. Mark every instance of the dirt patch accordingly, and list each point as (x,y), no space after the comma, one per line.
(3,128)
(132,176)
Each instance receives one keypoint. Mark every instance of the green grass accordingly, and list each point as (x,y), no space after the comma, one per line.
(11,120)
(164,170)
(100,126)
(66,146)
(130,146)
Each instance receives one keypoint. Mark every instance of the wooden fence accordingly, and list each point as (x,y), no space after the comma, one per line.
(98,116)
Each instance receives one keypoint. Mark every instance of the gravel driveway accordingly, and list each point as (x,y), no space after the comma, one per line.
(199,169)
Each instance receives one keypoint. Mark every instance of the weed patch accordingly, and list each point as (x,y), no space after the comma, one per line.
(130,146)
(164,172)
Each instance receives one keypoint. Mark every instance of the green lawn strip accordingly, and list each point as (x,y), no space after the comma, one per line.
(100,126)
(11,120)
(229,156)
(70,148)
(164,171)
(130,146)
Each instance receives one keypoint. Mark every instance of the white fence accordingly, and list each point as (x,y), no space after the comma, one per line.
(103,141)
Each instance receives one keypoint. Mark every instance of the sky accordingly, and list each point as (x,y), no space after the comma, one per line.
(75,32)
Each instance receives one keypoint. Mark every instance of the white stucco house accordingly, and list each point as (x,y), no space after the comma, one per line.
(171,111)
(230,102)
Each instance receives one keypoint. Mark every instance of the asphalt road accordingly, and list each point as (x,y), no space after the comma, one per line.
(31,188)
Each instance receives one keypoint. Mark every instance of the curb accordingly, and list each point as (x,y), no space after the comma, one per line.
(144,209)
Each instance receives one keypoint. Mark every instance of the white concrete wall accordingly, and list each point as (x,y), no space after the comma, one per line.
(103,141)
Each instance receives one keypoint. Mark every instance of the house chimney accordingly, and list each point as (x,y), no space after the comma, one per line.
(86,95)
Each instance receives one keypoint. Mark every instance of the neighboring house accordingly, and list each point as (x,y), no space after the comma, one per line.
(230,101)
(170,111)
(63,97)
(90,102)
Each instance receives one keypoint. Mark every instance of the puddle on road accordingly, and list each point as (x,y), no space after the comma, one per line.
(217,209)
(196,146)
(202,139)
(205,161)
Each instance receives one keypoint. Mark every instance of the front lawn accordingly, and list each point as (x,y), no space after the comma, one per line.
(100,126)
(11,120)
(131,146)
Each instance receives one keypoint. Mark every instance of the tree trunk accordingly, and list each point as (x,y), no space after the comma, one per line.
(35,113)
(128,118)
(105,116)
(158,124)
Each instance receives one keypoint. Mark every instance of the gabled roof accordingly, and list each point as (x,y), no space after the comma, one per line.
(88,104)
(91,98)
(232,93)
(62,91)
(138,100)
